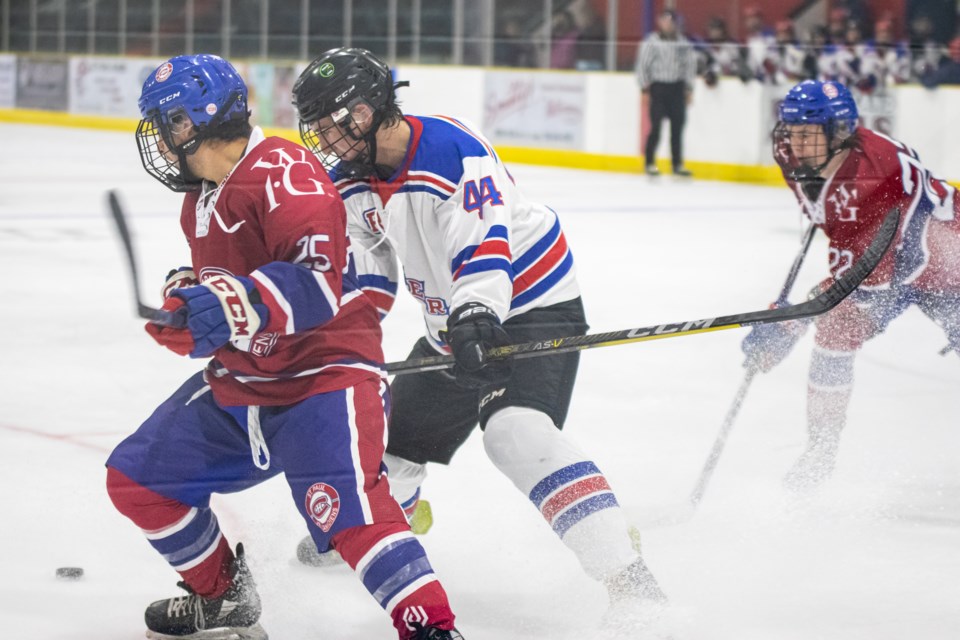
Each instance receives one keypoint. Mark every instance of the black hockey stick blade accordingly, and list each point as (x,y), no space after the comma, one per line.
(159,316)
(840,289)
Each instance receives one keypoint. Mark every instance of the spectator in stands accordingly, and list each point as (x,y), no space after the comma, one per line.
(925,52)
(850,58)
(948,72)
(514,49)
(592,44)
(886,62)
(785,63)
(827,68)
(837,25)
(719,55)
(727,51)
(856,10)
(758,41)
(563,41)
(818,43)
(666,66)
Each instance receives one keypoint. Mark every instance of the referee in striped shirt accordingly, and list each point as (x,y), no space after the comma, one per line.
(665,71)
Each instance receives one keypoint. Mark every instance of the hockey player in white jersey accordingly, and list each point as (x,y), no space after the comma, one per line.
(490,268)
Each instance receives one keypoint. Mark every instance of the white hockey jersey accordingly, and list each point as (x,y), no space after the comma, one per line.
(459,226)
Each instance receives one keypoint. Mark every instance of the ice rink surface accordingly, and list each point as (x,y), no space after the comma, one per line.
(875,555)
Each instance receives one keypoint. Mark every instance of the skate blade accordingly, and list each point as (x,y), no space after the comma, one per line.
(307,554)
(255,632)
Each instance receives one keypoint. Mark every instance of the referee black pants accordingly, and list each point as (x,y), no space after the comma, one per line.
(667,100)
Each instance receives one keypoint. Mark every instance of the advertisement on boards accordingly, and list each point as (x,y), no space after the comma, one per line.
(108,86)
(41,83)
(8,81)
(534,109)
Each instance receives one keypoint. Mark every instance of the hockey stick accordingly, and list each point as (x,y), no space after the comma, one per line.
(841,288)
(752,370)
(149,313)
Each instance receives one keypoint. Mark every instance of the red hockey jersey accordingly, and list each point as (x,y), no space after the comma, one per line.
(278,219)
(878,174)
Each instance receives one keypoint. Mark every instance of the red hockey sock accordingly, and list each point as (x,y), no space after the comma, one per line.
(397,574)
(425,607)
(160,517)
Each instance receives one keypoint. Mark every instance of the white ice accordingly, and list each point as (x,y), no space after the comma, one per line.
(874,556)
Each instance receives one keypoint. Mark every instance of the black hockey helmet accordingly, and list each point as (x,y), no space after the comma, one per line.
(332,86)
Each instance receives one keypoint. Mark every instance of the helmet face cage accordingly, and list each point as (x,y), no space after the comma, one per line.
(339,136)
(830,108)
(817,152)
(161,156)
(325,97)
(186,95)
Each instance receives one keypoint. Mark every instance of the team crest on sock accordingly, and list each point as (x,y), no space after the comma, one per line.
(323,505)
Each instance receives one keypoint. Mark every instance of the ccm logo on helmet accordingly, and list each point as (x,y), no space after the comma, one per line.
(169,98)
(345,93)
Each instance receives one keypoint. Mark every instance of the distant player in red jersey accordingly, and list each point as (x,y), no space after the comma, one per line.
(295,383)
(846,178)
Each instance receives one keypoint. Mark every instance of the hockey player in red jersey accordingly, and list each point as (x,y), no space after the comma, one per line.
(845,179)
(294,384)
(489,268)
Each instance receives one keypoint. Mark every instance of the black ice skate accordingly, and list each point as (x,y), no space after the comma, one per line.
(432,633)
(232,616)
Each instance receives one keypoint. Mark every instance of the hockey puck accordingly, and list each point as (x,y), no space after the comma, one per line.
(69,573)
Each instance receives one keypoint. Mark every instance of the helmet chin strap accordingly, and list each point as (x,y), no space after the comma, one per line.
(187,177)
(807,172)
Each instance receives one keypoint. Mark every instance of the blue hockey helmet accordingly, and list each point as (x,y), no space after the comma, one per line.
(186,100)
(826,104)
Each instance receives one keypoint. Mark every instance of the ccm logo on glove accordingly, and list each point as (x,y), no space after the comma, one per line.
(224,309)
(243,320)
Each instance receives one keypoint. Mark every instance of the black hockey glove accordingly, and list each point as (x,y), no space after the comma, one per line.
(473,329)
